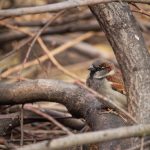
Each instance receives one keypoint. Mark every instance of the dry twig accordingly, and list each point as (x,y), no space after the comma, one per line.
(55,51)
(59,6)
(91,137)
(35,110)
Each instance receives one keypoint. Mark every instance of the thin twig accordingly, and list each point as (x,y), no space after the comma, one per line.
(142,143)
(84,15)
(137,147)
(90,137)
(13,78)
(17,48)
(21,44)
(147,13)
(55,62)
(21,126)
(35,110)
(55,51)
(36,36)
(141,12)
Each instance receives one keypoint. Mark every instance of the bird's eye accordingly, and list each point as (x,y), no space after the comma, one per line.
(100,68)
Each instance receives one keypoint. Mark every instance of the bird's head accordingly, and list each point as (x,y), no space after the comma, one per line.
(101,69)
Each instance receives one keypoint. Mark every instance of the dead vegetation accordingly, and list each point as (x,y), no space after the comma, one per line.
(43,69)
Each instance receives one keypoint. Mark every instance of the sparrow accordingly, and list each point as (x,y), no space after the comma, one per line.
(105,78)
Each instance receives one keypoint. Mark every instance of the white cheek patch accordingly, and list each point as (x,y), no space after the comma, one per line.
(111,83)
(112,72)
(101,75)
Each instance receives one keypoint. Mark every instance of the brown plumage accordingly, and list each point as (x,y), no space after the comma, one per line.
(115,78)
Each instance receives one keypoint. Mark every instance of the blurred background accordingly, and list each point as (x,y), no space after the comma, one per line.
(16,48)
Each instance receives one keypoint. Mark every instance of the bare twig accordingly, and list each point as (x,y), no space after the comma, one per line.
(55,62)
(36,36)
(63,29)
(40,32)
(22,44)
(55,51)
(140,10)
(137,147)
(35,110)
(84,15)
(91,137)
(21,126)
(17,48)
(142,143)
(58,6)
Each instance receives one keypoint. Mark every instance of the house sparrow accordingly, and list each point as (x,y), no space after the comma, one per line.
(106,79)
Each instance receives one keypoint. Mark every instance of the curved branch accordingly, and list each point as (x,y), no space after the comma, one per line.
(78,101)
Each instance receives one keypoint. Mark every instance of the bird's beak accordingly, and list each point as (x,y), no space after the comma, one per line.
(91,68)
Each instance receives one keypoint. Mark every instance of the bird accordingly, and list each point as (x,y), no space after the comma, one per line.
(105,78)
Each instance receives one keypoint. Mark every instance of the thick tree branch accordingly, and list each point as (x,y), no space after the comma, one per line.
(128,44)
(58,6)
(78,101)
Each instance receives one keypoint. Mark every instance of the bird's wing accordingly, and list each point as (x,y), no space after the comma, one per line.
(117,82)
(118,87)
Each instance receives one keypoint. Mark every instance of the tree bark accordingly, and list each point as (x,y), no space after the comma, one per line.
(124,35)
(128,44)
(78,101)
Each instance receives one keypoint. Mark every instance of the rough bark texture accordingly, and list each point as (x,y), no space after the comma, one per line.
(78,101)
(128,44)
